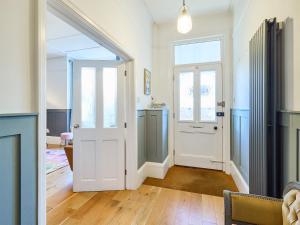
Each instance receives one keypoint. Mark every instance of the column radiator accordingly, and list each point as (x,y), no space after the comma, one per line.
(264,167)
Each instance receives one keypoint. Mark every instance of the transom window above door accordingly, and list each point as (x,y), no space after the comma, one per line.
(198,52)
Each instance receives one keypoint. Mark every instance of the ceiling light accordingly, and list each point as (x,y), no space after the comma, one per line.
(184,22)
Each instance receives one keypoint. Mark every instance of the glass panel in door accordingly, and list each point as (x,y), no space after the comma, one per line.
(88,97)
(186,96)
(207,96)
(110,107)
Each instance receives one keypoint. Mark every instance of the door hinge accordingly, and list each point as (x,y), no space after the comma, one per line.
(125,73)
(125,172)
(173,115)
(173,152)
(125,125)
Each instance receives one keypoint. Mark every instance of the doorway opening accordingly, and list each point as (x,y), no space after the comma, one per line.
(198,118)
(86,94)
(198,104)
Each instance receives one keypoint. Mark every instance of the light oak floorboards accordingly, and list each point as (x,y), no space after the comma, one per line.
(148,205)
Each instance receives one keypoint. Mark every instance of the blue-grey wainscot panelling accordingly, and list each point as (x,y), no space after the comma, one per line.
(240,141)
(141,124)
(58,121)
(152,135)
(18,169)
(289,123)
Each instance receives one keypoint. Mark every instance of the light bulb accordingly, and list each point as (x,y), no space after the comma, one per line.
(184,23)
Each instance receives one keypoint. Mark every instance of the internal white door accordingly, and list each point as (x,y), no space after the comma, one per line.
(198,116)
(99,144)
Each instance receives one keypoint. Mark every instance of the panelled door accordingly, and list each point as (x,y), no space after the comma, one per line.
(198,116)
(99,147)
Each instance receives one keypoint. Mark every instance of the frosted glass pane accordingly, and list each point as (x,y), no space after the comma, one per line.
(186,93)
(88,97)
(202,52)
(208,96)
(110,86)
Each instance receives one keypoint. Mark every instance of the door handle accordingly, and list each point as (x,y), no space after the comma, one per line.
(222,104)
(76,126)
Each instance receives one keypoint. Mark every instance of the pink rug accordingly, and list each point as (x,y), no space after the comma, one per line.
(55,159)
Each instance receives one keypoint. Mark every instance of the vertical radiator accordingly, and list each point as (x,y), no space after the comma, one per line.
(264,156)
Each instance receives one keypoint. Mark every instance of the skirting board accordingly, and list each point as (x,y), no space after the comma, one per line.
(155,170)
(238,179)
(142,175)
(53,140)
(158,170)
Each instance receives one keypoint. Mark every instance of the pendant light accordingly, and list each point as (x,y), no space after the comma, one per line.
(184,22)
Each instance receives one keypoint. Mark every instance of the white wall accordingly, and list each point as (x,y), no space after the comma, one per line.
(164,36)
(248,16)
(130,24)
(17,79)
(58,83)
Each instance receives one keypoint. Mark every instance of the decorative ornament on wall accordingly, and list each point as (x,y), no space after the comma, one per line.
(147,82)
(184,22)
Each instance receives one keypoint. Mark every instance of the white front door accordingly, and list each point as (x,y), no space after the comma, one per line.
(198,128)
(99,146)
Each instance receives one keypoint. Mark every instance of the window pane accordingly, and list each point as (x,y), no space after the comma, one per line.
(186,91)
(110,85)
(88,97)
(202,52)
(208,96)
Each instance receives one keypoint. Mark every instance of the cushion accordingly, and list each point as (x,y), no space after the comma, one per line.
(291,208)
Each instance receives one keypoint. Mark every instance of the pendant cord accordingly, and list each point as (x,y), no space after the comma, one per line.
(183,2)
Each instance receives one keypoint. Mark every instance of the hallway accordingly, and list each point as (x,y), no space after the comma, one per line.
(147,205)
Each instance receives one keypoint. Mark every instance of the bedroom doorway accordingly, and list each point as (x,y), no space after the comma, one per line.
(71,58)
(70,16)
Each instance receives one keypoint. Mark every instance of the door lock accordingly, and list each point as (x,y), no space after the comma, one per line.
(220,114)
(76,126)
(215,128)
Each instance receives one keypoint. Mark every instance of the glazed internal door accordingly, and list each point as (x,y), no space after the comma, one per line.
(198,116)
(99,148)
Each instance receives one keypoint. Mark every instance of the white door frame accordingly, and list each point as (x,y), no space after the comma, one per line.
(65,10)
(226,83)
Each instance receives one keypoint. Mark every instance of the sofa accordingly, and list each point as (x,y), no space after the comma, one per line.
(245,209)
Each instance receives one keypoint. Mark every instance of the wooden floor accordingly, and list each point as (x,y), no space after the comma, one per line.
(147,205)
